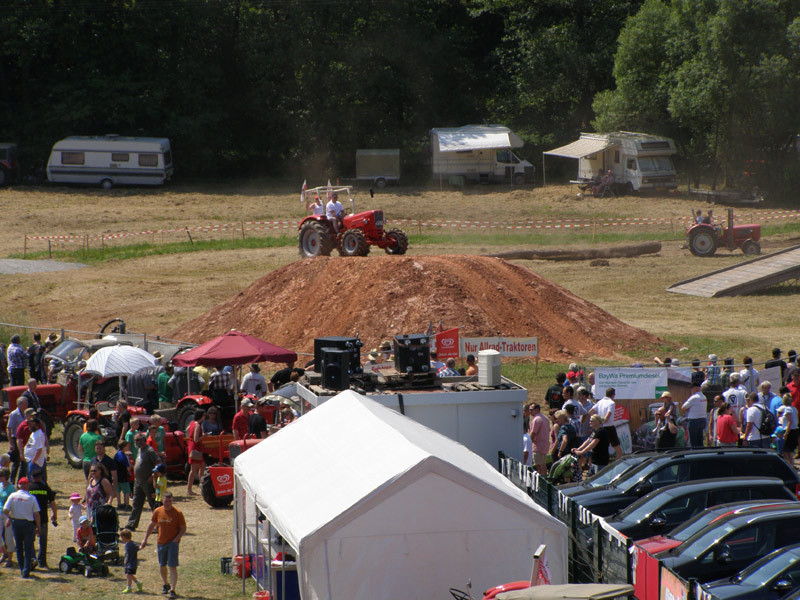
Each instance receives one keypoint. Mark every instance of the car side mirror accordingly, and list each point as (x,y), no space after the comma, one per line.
(658,522)
(722,554)
(643,488)
(783,585)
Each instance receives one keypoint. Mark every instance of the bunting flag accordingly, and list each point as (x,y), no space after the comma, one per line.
(441,325)
(329,193)
(541,572)
(303,191)
(429,332)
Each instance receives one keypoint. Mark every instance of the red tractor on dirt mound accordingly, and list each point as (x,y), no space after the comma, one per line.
(357,232)
(704,238)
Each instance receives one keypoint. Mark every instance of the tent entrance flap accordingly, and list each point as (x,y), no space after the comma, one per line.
(581,148)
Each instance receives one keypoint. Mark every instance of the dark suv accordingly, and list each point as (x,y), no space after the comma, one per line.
(665,508)
(667,468)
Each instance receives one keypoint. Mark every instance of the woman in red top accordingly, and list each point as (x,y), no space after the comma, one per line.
(727,430)
(193,434)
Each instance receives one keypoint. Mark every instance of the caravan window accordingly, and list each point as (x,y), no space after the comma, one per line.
(148,160)
(632,164)
(73,158)
(616,156)
(655,163)
(120,157)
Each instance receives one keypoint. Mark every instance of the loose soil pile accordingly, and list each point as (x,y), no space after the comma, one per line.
(378,297)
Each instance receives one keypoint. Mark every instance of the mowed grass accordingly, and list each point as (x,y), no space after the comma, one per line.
(209,532)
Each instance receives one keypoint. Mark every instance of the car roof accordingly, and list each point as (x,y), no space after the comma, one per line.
(754,515)
(677,489)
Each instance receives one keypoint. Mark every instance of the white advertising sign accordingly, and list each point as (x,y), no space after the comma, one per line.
(506,346)
(631,383)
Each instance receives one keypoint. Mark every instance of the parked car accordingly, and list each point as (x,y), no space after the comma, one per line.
(607,474)
(664,509)
(683,466)
(767,579)
(729,543)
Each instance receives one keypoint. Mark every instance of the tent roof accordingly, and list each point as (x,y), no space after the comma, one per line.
(233,348)
(355,449)
(582,147)
(476,137)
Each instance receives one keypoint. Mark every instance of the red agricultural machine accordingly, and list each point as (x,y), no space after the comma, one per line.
(704,238)
(355,234)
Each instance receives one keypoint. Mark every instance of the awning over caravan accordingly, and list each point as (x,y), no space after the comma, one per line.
(477,137)
(581,148)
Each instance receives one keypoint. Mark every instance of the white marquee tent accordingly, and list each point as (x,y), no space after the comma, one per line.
(376,505)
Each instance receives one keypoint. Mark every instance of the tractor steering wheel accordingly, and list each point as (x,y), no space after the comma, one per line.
(458,594)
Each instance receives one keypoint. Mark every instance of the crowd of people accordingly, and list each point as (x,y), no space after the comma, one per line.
(575,420)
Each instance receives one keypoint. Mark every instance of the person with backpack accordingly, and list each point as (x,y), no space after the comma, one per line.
(757,431)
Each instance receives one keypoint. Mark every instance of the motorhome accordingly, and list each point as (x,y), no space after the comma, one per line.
(638,161)
(110,160)
(481,153)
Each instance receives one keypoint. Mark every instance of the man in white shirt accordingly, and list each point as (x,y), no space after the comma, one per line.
(606,408)
(334,211)
(749,376)
(254,382)
(695,410)
(36,448)
(754,416)
(735,397)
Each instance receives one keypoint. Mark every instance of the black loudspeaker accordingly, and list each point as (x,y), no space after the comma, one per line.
(353,345)
(412,353)
(335,368)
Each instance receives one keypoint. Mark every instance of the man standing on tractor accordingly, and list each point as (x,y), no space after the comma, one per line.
(17,361)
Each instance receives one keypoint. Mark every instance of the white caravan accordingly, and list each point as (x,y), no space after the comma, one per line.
(638,161)
(110,160)
(479,153)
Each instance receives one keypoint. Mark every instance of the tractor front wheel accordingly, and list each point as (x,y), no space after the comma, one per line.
(702,243)
(751,248)
(400,241)
(315,239)
(353,243)
(73,430)
(64,566)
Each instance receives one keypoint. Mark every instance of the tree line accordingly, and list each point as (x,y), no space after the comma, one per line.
(294,87)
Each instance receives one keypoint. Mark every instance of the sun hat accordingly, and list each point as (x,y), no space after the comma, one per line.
(83,519)
(373,354)
(75,496)
(247,402)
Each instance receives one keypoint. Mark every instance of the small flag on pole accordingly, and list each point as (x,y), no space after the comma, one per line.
(329,193)
(303,191)
(541,572)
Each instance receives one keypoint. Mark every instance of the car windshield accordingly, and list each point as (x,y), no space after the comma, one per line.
(704,539)
(644,507)
(768,567)
(635,475)
(69,351)
(655,163)
(612,471)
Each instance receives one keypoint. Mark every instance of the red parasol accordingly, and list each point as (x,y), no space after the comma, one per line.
(233,348)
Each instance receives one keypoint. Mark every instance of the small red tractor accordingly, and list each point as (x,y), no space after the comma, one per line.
(357,232)
(704,238)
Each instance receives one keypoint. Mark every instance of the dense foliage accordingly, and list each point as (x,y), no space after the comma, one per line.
(266,87)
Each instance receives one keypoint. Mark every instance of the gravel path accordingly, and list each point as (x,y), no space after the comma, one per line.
(12,266)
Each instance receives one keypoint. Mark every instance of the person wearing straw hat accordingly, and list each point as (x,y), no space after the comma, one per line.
(373,358)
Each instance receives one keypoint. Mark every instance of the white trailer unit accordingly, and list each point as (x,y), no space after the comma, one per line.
(479,153)
(378,165)
(638,161)
(110,160)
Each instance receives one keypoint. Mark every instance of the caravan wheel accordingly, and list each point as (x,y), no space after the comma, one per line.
(107,184)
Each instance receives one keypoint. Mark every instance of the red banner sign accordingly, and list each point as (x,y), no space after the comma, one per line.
(447,345)
(222,478)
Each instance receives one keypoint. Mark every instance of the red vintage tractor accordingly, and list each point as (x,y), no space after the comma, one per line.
(704,238)
(357,231)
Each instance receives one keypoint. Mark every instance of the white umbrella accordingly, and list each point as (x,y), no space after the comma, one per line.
(116,361)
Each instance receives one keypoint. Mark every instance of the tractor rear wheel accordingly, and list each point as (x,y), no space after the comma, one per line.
(73,430)
(210,495)
(702,243)
(186,414)
(353,243)
(315,239)
(401,241)
(751,248)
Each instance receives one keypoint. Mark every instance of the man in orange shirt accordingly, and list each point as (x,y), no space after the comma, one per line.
(171,527)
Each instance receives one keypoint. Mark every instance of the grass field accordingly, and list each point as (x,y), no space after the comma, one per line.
(160,282)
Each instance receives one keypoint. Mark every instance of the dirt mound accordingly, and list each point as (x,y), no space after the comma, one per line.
(378,297)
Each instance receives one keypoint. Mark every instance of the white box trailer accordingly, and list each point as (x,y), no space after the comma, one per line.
(481,153)
(378,165)
(110,160)
(638,161)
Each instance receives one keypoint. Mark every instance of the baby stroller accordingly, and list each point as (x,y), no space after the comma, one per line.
(106,525)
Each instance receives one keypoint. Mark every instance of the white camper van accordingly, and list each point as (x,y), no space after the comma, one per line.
(479,153)
(638,161)
(110,160)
